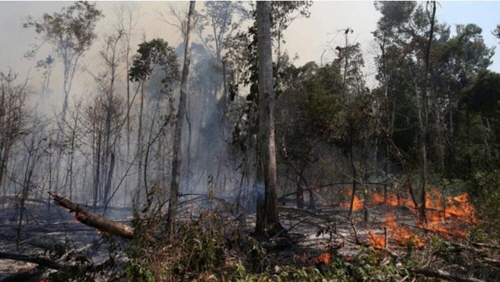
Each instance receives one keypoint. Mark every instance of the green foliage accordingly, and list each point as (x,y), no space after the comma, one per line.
(204,246)
(484,94)
(484,190)
(138,272)
(368,265)
(198,246)
(71,32)
(151,53)
(496,32)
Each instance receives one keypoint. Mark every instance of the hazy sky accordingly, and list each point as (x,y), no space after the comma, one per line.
(308,38)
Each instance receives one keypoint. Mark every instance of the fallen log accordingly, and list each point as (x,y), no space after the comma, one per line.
(460,247)
(482,245)
(493,262)
(32,275)
(441,274)
(33,259)
(94,220)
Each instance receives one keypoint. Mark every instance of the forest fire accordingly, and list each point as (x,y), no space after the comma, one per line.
(357,204)
(444,215)
(325,258)
(202,149)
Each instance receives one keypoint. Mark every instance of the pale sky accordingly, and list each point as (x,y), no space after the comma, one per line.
(308,38)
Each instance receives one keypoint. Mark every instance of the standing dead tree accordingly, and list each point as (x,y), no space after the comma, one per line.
(70,33)
(12,118)
(181,113)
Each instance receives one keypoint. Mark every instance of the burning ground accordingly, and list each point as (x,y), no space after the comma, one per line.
(384,237)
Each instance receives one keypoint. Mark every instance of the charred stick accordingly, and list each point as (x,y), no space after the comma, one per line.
(94,220)
(441,274)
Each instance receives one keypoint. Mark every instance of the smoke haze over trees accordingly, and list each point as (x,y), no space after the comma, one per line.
(199,134)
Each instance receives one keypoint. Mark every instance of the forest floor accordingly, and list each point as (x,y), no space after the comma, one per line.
(316,237)
(50,232)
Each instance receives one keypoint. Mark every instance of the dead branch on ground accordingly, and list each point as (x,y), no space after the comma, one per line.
(94,220)
(33,259)
(31,275)
(441,274)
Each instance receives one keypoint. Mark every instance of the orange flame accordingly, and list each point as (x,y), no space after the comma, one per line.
(448,216)
(398,233)
(325,258)
(392,200)
(378,241)
(445,215)
(357,203)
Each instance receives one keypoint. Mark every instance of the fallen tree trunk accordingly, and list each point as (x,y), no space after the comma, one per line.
(32,275)
(33,259)
(94,220)
(441,274)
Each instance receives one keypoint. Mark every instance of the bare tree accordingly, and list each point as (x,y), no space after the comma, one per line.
(181,113)
(34,148)
(127,20)
(71,33)
(12,118)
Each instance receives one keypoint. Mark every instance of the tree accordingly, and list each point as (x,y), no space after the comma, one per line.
(150,54)
(127,15)
(179,121)
(242,59)
(496,32)
(224,17)
(405,41)
(71,33)
(306,110)
(13,115)
(424,112)
(267,202)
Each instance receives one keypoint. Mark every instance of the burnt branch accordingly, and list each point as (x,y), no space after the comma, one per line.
(94,220)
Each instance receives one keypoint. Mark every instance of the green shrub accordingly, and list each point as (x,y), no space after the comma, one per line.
(484,190)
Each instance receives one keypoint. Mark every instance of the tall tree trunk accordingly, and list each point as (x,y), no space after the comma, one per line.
(300,192)
(69,73)
(109,181)
(97,172)
(181,113)
(69,177)
(267,213)
(139,142)
(424,116)
(188,153)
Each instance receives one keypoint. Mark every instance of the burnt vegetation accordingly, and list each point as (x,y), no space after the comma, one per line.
(222,159)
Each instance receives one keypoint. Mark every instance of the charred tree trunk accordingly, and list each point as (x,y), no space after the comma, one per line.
(109,181)
(267,212)
(300,192)
(69,177)
(424,116)
(97,166)
(181,113)
(138,155)
(94,220)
